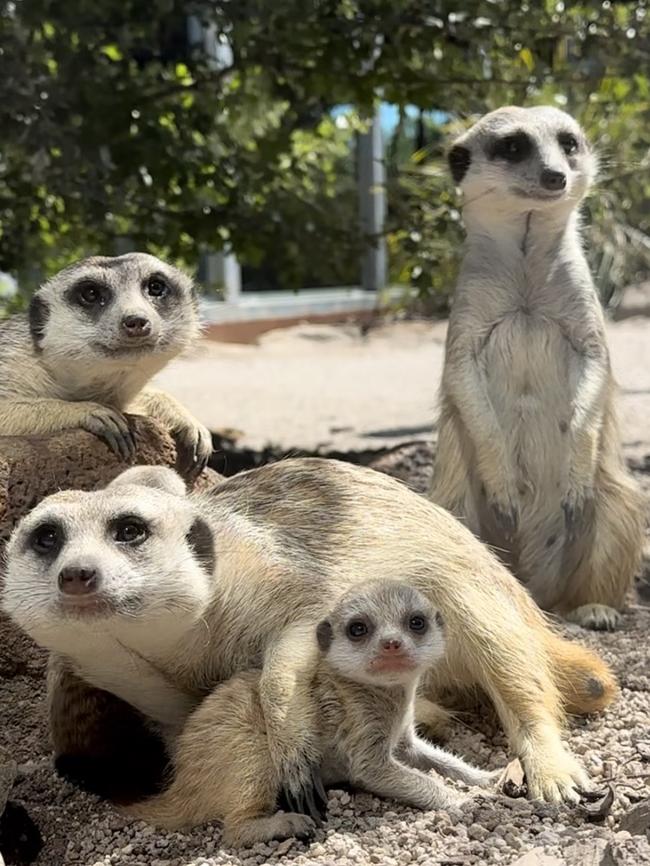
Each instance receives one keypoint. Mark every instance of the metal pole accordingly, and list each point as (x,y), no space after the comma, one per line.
(372,206)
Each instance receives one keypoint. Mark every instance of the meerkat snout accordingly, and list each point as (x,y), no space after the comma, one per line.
(136,326)
(383,633)
(523,159)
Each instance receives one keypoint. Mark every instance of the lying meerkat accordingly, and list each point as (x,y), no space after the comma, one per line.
(528,447)
(239,576)
(375,644)
(94,335)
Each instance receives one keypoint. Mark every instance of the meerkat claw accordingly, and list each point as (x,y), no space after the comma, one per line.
(194,447)
(112,427)
(506,518)
(310,799)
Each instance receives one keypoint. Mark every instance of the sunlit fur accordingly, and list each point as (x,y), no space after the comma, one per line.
(62,368)
(289,540)
(365,730)
(528,452)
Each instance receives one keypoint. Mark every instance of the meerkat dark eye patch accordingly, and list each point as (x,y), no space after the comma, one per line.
(324,635)
(201,541)
(568,142)
(39,313)
(459,159)
(46,539)
(515,147)
(129,529)
(91,295)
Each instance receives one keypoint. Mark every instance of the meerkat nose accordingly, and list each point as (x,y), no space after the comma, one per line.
(77,581)
(391,645)
(136,326)
(551,179)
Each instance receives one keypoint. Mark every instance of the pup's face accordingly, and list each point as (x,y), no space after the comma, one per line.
(523,159)
(382,633)
(121,559)
(115,308)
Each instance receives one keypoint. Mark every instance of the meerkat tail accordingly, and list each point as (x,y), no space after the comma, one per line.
(584,680)
(168,810)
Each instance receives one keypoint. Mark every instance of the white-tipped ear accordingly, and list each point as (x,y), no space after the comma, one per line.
(159,477)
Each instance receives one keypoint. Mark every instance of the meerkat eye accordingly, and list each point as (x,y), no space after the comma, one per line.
(513,148)
(46,539)
(156,287)
(130,530)
(357,629)
(90,294)
(568,142)
(417,623)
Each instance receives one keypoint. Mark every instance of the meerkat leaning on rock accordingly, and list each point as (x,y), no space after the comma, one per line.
(528,448)
(157,597)
(375,644)
(94,335)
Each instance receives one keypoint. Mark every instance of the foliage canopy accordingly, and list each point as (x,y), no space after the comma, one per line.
(112,125)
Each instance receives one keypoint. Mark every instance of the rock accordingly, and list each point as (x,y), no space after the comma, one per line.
(595,852)
(537,857)
(20,838)
(513,780)
(637,820)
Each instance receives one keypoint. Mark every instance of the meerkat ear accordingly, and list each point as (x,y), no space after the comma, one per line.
(39,312)
(158,477)
(324,635)
(459,159)
(439,619)
(201,541)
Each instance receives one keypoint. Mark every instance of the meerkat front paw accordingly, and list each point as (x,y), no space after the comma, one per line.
(559,782)
(597,617)
(503,505)
(111,427)
(193,446)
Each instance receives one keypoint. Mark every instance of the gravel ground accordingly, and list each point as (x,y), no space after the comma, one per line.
(615,746)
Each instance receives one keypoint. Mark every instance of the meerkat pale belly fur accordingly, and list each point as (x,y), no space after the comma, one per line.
(528,452)
(194,589)
(374,646)
(95,334)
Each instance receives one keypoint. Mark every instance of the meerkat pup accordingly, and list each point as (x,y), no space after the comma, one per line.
(94,335)
(157,597)
(528,447)
(375,644)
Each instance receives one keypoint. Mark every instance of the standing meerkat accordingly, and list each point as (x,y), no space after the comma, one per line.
(94,335)
(528,447)
(239,576)
(374,645)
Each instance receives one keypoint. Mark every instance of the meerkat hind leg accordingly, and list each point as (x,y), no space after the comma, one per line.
(424,756)
(597,590)
(396,781)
